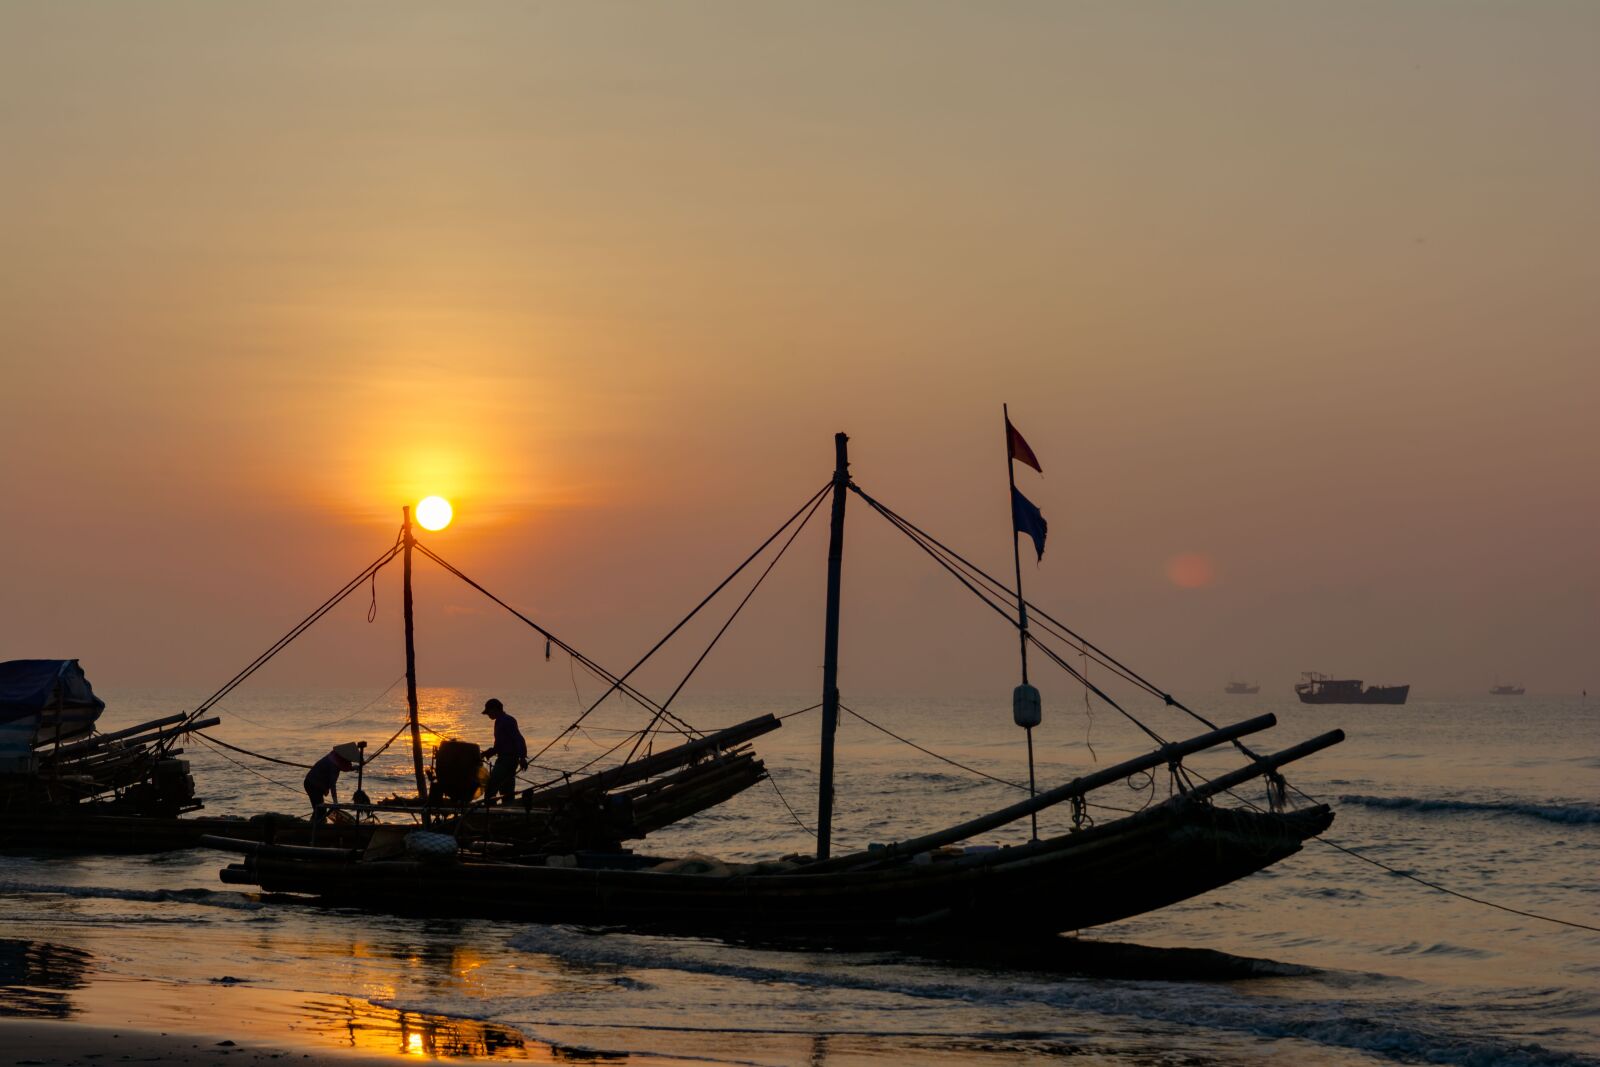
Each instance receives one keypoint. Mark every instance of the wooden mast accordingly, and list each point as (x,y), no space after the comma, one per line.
(409,539)
(830,648)
(1024,699)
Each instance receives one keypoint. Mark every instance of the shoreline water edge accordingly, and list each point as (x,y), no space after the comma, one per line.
(1321,959)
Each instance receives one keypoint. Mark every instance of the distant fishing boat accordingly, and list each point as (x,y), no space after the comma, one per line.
(1320,689)
(926,887)
(1242,688)
(1507,690)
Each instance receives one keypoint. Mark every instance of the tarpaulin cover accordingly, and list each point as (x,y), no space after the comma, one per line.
(38,699)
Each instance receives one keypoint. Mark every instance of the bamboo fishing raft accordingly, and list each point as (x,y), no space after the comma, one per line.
(63,783)
(128,790)
(925,887)
(64,787)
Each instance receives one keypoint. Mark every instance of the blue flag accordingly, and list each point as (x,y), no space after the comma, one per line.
(1027,519)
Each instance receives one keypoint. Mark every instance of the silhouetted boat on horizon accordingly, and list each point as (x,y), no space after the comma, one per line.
(1507,690)
(1320,689)
(1242,689)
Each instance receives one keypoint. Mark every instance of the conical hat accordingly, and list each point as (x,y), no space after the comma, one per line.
(349,750)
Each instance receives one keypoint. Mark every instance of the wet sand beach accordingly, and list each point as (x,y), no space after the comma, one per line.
(61,1044)
(155,1022)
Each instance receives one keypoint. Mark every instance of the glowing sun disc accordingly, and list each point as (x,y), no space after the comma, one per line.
(434,513)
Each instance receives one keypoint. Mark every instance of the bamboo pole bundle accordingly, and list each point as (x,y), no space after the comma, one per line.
(666,760)
(1171,753)
(116,735)
(134,736)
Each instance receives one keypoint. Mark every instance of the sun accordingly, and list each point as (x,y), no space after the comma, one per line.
(434,513)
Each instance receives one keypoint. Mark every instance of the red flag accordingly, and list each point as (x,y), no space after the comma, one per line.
(1019,448)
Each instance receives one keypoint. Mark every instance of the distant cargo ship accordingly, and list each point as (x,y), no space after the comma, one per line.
(1320,689)
(1508,690)
(1242,689)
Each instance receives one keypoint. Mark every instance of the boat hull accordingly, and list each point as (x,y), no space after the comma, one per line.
(1128,867)
(1377,694)
(70,832)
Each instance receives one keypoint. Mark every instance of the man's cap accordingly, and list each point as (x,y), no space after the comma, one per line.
(349,751)
(493,705)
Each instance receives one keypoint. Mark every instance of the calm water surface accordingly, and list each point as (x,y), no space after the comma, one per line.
(1322,959)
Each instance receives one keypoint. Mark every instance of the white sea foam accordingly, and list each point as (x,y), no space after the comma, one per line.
(1573,813)
(209,898)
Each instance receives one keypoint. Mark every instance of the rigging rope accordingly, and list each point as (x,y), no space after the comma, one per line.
(1089,686)
(370,570)
(364,707)
(735,614)
(1052,625)
(955,561)
(392,739)
(588,664)
(935,755)
(246,752)
(565,775)
(684,621)
(790,808)
(244,767)
(906,528)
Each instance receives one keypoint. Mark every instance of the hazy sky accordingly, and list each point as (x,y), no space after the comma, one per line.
(1311,291)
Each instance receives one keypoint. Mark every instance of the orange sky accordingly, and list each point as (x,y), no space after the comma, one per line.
(1297,307)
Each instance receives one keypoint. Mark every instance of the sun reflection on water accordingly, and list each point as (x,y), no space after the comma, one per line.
(372,1028)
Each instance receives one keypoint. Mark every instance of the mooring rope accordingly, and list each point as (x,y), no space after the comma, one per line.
(1455,892)
(1247,802)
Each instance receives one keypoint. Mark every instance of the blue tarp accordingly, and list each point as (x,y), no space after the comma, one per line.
(38,699)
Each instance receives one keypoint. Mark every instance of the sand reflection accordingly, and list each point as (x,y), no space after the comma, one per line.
(367,1027)
(36,977)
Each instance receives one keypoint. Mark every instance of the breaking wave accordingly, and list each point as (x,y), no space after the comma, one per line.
(208,898)
(1390,1029)
(1568,814)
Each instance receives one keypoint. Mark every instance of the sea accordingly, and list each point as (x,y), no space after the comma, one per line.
(1325,958)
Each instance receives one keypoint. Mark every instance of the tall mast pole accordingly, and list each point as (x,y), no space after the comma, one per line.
(830,647)
(409,539)
(1024,693)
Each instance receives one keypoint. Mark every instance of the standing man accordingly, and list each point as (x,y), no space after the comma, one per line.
(322,779)
(509,751)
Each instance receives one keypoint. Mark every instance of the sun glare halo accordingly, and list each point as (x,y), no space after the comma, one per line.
(434,513)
